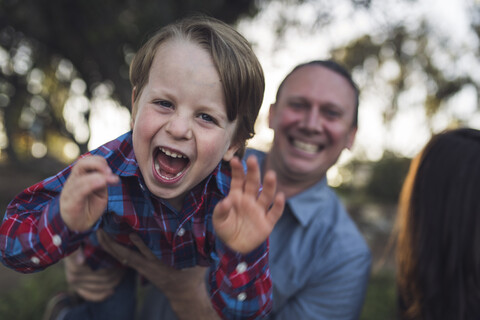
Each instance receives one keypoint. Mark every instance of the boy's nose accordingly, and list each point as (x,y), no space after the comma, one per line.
(179,127)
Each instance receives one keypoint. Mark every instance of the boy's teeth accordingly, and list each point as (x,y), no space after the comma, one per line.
(171,154)
(308,147)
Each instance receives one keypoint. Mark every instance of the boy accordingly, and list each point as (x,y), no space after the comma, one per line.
(197,89)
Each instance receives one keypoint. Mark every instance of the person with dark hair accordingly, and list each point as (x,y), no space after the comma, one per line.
(438,230)
(319,261)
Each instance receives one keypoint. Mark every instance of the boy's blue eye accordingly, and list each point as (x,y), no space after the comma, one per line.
(164,103)
(206,117)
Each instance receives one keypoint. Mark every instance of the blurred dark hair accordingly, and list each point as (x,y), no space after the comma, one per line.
(333,66)
(438,225)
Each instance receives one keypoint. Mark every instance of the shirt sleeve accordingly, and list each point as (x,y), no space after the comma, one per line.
(240,286)
(337,294)
(33,235)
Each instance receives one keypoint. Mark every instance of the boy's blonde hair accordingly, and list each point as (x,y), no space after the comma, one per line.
(240,71)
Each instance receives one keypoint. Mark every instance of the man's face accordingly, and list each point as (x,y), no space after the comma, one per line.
(312,122)
(180,125)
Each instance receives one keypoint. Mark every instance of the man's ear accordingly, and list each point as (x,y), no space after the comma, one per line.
(134,108)
(230,153)
(351,137)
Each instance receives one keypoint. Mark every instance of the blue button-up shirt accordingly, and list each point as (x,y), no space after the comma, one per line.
(319,261)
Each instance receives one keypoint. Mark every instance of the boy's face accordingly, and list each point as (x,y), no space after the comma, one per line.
(180,125)
(313,123)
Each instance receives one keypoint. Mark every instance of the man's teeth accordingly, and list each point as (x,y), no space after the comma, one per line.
(172,154)
(307,147)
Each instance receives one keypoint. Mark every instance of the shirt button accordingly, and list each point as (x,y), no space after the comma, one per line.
(35,260)
(57,241)
(181,232)
(241,267)
(242,296)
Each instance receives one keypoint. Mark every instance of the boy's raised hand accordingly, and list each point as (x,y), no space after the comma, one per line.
(244,219)
(84,196)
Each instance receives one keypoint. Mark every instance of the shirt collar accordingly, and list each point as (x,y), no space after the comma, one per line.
(223,176)
(307,204)
(121,157)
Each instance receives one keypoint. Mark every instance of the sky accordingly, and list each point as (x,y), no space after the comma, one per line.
(408,131)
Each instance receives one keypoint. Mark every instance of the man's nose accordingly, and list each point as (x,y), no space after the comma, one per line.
(312,119)
(179,126)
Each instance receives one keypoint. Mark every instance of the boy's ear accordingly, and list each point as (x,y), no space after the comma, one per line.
(231,152)
(271,114)
(134,108)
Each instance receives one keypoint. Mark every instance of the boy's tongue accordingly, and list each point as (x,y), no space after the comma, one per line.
(168,166)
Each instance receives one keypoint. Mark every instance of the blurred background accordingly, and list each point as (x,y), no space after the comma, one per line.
(64,90)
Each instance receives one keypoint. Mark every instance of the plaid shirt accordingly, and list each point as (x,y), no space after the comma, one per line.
(33,235)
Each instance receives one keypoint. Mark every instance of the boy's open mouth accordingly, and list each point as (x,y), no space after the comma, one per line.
(169,164)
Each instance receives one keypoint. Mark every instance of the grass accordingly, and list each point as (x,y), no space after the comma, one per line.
(27,301)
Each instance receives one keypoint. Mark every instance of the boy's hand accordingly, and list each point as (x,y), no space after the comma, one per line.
(84,196)
(244,219)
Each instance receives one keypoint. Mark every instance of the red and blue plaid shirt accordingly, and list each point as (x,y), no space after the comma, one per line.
(34,236)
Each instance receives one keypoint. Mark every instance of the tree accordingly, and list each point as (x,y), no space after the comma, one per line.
(51,50)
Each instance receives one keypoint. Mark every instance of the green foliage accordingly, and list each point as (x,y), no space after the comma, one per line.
(47,46)
(28,300)
(381,299)
(387,178)
(378,182)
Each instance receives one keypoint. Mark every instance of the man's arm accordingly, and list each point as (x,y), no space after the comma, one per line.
(185,289)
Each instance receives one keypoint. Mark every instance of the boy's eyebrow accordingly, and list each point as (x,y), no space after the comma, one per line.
(216,111)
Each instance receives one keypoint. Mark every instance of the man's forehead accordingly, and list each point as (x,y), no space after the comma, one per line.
(319,79)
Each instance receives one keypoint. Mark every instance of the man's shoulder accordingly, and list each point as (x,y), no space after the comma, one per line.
(257,153)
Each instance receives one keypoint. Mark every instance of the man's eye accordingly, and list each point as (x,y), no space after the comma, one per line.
(297,105)
(332,113)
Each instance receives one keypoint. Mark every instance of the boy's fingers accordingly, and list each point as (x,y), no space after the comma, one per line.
(94,164)
(221,210)
(91,163)
(252,183)
(276,210)
(238,176)
(268,192)
(85,185)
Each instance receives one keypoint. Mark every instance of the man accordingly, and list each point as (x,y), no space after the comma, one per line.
(319,261)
